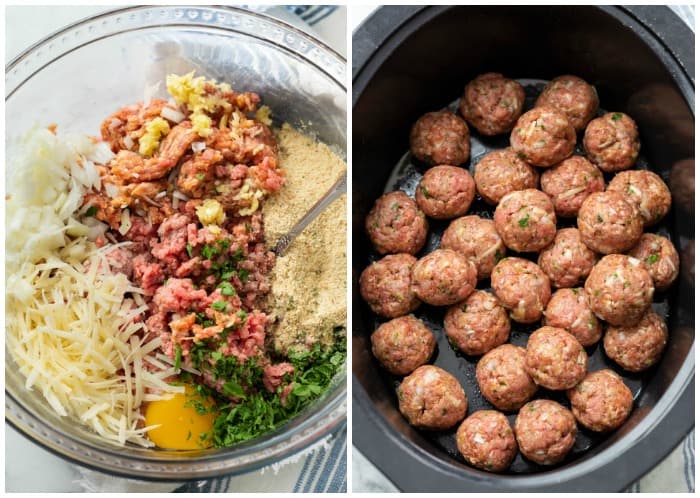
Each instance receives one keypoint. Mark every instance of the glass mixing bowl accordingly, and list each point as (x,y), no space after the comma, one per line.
(83,73)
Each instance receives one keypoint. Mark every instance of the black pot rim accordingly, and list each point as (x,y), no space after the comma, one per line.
(412,468)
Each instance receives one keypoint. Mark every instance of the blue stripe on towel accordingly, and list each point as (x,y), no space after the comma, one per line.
(321,457)
(330,464)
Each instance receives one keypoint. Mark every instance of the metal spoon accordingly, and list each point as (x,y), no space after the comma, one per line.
(338,189)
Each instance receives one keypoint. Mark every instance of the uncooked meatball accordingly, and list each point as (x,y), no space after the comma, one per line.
(568,309)
(601,402)
(403,344)
(478,324)
(682,184)
(486,441)
(646,191)
(611,142)
(492,103)
(440,138)
(430,398)
(443,277)
(567,261)
(545,431)
(503,378)
(478,240)
(659,257)
(395,224)
(525,220)
(637,347)
(608,223)
(555,359)
(522,287)
(543,136)
(445,192)
(386,286)
(572,96)
(569,182)
(501,172)
(619,290)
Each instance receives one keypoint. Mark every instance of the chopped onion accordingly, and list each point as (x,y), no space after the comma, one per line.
(172,114)
(111,190)
(176,203)
(128,142)
(111,238)
(150,201)
(114,123)
(160,195)
(198,147)
(572,192)
(478,439)
(634,261)
(126,222)
(179,195)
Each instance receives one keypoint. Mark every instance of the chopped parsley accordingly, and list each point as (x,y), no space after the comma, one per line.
(91,211)
(499,255)
(425,192)
(653,258)
(227,289)
(188,247)
(626,284)
(617,116)
(600,219)
(575,291)
(523,222)
(200,176)
(219,305)
(178,358)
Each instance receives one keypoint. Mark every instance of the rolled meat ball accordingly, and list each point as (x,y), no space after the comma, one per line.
(619,290)
(440,138)
(545,431)
(386,286)
(522,288)
(503,379)
(611,142)
(567,261)
(601,402)
(568,309)
(403,344)
(660,259)
(445,192)
(637,347)
(395,224)
(432,399)
(646,191)
(501,172)
(543,137)
(486,441)
(608,223)
(555,359)
(443,277)
(492,103)
(682,185)
(478,240)
(525,220)
(569,183)
(571,96)
(477,325)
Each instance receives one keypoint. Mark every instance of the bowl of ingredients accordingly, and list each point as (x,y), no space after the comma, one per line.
(522,261)
(156,327)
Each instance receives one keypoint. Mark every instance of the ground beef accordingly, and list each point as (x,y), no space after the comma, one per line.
(601,402)
(273,375)
(555,359)
(403,344)
(443,277)
(567,261)
(659,257)
(486,441)
(570,182)
(430,398)
(612,142)
(440,138)
(646,191)
(395,224)
(478,240)
(572,96)
(445,192)
(545,431)
(543,137)
(477,325)
(522,287)
(492,103)
(501,172)
(637,347)
(385,285)
(503,378)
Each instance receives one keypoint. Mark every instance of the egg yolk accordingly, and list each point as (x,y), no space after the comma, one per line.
(180,426)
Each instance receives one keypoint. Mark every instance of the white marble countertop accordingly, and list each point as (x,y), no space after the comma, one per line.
(669,475)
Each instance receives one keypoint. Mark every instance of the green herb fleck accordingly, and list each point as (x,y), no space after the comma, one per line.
(600,219)
(575,291)
(425,192)
(395,205)
(178,357)
(523,222)
(617,116)
(653,258)
(188,247)
(200,176)
(626,284)
(499,255)
(91,211)
(227,289)
(219,305)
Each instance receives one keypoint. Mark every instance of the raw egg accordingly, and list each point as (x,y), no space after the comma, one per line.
(180,426)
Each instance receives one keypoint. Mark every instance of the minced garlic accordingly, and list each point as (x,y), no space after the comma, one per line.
(211,212)
(156,129)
